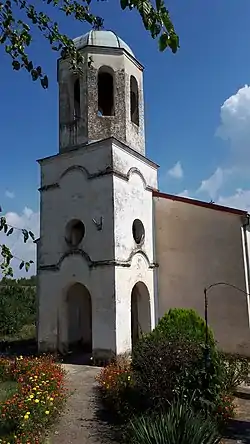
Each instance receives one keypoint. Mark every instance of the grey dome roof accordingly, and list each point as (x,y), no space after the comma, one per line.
(101,38)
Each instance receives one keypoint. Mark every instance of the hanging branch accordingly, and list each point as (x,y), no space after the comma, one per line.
(5,251)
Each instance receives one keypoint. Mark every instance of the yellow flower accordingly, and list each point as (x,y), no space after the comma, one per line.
(26,416)
(129,377)
(31,396)
(51,399)
(47,412)
(37,401)
(35,377)
(27,413)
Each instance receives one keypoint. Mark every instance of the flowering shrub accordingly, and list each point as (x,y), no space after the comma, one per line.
(39,397)
(225,409)
(117,386)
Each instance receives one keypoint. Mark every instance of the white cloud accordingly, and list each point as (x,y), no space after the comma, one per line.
(184,193)
(29,220)
(176,172)
(235,128)
(235,124)
(9,194)
(240,200)
(214,183)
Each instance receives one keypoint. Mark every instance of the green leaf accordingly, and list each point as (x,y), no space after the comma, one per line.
(25,235)
(16,65)
(45,82)
(124,4)
(10,231)
(159,4)
(30,66)
(34,74)
(174,43)
(163,42)
(21,265)
(32,235)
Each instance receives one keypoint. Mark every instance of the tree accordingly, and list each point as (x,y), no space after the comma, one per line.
(20,18)
(7,256)
(17,305)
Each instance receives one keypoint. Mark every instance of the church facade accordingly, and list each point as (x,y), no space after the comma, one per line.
(114,253)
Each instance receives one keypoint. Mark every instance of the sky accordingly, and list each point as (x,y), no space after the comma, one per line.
(197,108)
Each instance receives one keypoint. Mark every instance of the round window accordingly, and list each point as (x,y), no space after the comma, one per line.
(75,231)
(138,231)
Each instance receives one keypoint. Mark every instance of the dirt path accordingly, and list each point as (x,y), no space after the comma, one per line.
(79,424)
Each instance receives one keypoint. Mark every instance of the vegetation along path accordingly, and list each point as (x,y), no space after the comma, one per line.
(81,423)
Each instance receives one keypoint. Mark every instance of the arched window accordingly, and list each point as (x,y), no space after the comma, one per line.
(134,101)
(77,106)
(105,92)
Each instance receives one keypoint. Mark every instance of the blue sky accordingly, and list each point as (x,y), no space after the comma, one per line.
(196,102)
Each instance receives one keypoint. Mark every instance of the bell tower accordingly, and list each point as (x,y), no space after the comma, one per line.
(106,98)
(95,261)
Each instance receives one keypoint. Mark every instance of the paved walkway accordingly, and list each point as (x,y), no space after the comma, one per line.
(79,423)
(239,429)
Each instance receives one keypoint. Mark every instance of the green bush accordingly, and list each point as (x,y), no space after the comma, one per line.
(170,361)
(180,425)
(164,370)
(184,323)
(236,371)
(17,308)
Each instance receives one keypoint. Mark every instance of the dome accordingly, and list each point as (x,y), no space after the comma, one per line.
(101,38)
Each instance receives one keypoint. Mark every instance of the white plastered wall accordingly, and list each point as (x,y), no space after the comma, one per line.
(132,200)
(53,310)
(118,199)
(126,279)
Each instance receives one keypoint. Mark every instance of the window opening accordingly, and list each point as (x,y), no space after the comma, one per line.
(134,101)
(77,107)
(105,94)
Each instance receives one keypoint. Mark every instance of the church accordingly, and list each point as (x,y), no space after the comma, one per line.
(114,253)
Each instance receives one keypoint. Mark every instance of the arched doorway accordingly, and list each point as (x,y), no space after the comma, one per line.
(140,312)
(79,318)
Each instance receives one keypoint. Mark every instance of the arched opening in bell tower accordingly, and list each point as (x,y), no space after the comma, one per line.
(79,318)
(77,104)
(106,91)
(140,312)
(134,101)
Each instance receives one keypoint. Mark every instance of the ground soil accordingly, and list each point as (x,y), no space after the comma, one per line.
(82,421)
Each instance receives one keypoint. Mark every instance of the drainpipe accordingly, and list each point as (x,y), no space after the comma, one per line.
(245,226)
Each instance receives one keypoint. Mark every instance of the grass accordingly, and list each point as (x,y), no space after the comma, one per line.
(7,390)
(27,332)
